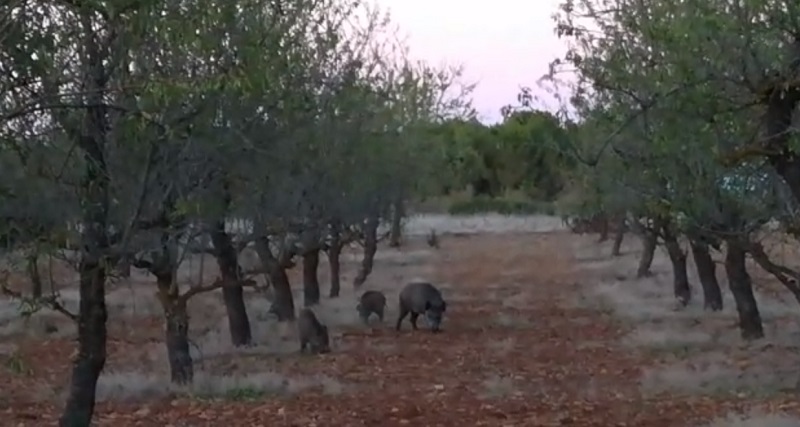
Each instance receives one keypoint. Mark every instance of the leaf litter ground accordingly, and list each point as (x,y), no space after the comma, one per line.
(516,351)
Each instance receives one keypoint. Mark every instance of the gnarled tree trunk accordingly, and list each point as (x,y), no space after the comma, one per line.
(742,289)
(311,292)
(91,138)
(283,302)
(334,253)
(604,228)
(32,265)
(680,277)
(396,231)
(176,329)
(370,248)
(649,243)
(92,311)
(707,272)
(233,296)
(92,335)
(619,235)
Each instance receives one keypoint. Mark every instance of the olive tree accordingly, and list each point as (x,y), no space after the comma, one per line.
(73,107)
(699,95)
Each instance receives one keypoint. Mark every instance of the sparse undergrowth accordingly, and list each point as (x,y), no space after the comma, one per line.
(135,385)
(694,352)
(504,206)
(755,419)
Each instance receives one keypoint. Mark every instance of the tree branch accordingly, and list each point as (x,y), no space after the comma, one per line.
(218,284)
(142,264)
(49,301)
(788,277)
(740,154)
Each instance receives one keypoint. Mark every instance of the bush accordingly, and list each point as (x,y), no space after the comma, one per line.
(503,206)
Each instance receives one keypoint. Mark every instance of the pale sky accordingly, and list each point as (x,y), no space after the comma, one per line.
(503,44)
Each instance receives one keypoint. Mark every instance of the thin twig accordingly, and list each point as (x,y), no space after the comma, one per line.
(49,301)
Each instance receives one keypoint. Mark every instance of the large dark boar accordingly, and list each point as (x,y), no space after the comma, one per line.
(371,302)
(421,298)
(312,333)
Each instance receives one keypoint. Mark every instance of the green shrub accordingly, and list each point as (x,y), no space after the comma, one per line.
(503,206)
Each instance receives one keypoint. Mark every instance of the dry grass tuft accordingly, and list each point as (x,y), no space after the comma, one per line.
(755,419)
(497,387)
(134,385)
(503,346)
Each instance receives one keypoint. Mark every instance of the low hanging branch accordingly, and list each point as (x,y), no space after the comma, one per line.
(218,284)
(788,277)
(49,301)
(194,290)
(741,154)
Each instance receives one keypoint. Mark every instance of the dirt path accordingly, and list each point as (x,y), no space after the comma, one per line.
(516,351)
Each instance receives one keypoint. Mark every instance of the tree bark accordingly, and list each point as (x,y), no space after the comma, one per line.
(233,296)
(283,302)
(396,231)
(176,329)
(311,292)
(707,272)
(334,252)
(92,311)
(95,200)
(32,265)
(603,219)
(649,243)
(92,335)
(742,289)
(370,248)
(680,277)
(619,235)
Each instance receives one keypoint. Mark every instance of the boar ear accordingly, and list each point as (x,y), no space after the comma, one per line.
(427,305)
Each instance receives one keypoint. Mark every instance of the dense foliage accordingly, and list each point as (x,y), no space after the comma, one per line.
(685,128)
(518,155)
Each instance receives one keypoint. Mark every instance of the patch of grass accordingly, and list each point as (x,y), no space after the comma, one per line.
(682,377)
(273,337)
(715,374)
(269,337)
(503,206)
(503,346)
(8,349)
(134,385)
(518,300)
(44,323)
(9,310)
(243,394)
(384,347)
(128,300)
(498,386)
(17,365)
(755,419)
(670,339)
(509,321)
